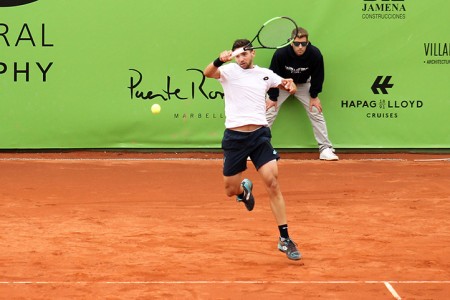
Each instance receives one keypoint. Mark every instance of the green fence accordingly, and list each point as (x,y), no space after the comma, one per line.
(84,74)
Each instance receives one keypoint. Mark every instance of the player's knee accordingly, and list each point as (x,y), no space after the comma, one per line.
(272,184)
(231,191)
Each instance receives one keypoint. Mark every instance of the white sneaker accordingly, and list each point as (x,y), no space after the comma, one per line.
(327,154)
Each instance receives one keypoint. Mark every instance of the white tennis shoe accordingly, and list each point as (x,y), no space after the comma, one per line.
(327,154)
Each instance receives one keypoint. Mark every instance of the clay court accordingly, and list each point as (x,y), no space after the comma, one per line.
(110,225)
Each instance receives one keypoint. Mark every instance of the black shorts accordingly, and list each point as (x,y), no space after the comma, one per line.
(237,146)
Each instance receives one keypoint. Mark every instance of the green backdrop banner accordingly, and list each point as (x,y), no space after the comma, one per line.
(84,74)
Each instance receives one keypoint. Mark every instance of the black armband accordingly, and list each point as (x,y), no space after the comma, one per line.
(217,63)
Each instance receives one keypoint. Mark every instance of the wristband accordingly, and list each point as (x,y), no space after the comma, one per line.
(217,63)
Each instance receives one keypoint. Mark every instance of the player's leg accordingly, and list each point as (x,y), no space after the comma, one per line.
(317,120)
(272,113)
(232,185)
(235,153)
(265,157)
(265,160)
(242,189)
(269,175)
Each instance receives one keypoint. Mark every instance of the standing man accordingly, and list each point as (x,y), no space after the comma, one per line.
(302,62)
(246,135)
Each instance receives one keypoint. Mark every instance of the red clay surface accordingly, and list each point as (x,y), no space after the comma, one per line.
(102,225)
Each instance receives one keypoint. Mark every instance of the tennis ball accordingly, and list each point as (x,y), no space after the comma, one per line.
(156,108)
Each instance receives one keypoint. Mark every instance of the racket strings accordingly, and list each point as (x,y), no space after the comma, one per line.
(276,33)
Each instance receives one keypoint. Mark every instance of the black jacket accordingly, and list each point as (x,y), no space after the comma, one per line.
(300,68)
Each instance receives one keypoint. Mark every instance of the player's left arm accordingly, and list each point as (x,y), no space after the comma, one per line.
(288,85)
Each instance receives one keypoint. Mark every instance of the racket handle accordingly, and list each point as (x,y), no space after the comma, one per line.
(237,52)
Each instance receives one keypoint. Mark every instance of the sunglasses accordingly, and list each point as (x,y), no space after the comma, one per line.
(304,44)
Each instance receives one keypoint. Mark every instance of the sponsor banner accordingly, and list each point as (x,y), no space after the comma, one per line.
(84,74)
(384,9)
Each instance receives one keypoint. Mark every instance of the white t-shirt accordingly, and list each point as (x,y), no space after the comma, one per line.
(245,94)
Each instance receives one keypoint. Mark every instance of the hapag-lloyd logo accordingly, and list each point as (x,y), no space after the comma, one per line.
(382,105)
(384,9)
(7,3)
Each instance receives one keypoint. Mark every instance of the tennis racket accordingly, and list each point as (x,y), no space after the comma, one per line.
(275,33)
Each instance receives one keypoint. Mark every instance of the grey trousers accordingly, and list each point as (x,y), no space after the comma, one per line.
(317,119)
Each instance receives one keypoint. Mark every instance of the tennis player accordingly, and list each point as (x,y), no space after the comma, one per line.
(247,133)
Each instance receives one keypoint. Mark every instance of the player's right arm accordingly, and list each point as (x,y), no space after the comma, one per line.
(212,70)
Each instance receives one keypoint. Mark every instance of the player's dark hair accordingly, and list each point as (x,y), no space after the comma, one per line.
(301,32)
(241,43)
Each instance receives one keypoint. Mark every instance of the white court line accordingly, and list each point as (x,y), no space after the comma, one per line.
(102,159)
(175,159)
(433,159)
(105,159)
(392,290)
(232,282)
